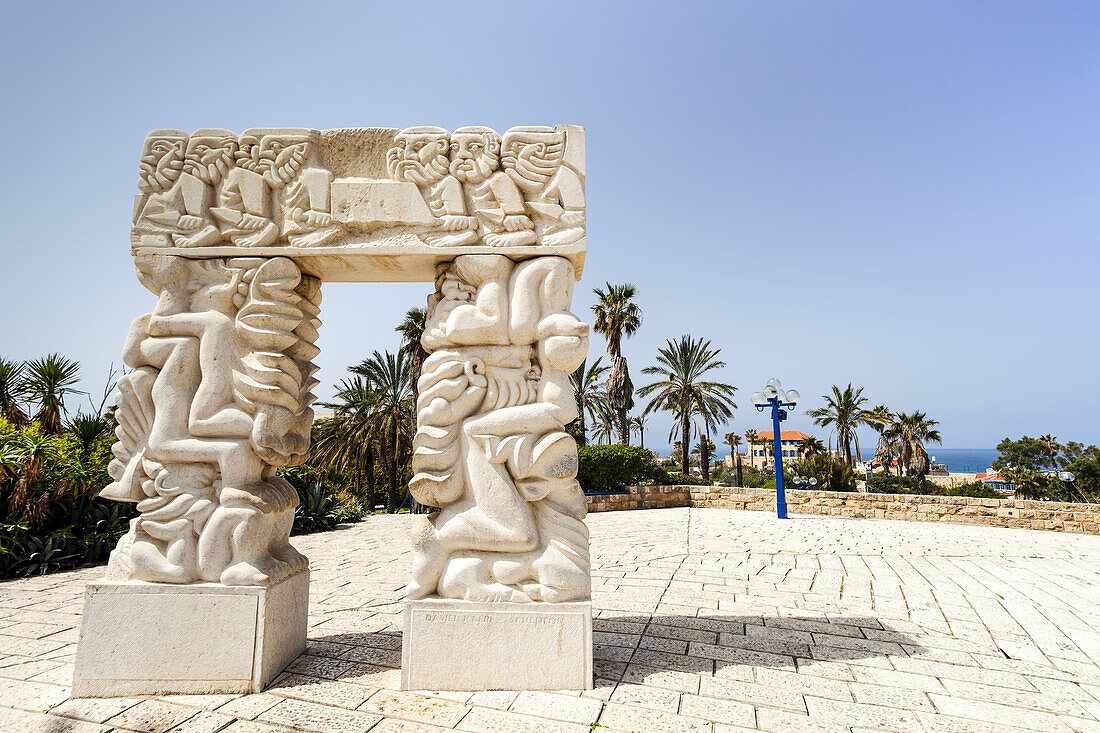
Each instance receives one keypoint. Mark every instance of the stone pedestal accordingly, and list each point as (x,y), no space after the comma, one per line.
(464,645)
(140,638)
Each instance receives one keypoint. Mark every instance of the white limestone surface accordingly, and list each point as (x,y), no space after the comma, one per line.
(464,645)
(142,638)
(363,204)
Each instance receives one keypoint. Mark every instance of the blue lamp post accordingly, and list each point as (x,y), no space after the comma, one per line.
(774,396)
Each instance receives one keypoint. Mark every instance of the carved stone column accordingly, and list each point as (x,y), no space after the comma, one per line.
(500,591)
(217,399)
(234,234)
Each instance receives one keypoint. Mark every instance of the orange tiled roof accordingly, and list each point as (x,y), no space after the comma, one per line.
(784,435)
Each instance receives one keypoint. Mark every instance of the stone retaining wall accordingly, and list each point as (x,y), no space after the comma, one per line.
(642,497)
(1060,516)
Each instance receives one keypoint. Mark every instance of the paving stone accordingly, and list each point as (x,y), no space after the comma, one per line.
(718,710)
(205,721)
(750,692)
(782,721)
(558,707)
(411,706)
(640,720)
(152,716)
(647,697)
(669,679)
(320,666)
(322,718)
(325,692)
(96,710)
(499,721)
(991,712)
(36,722)
(873,716)
(33,696)
(249,706)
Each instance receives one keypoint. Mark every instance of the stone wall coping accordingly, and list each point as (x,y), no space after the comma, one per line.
(1020,513)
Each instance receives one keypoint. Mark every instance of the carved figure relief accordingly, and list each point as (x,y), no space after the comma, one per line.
(219,397)
(491,449)
(419,156)
(295,187)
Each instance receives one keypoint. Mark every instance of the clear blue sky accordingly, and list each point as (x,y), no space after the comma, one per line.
(901,195)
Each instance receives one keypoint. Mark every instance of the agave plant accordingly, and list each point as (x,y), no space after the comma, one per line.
(87,429)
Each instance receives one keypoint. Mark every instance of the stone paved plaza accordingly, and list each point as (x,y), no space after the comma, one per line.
(706,620)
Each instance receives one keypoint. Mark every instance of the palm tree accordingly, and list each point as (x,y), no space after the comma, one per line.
(617,315)
(587,393)
(844,411)
(411,329)
(389,376)
(345,441)
(637,424)
(681,389)
(752,436)
(881,420)
(715,412)
(605,425)
(811,447)
(734,440)
(11,378)
(765,446)
(912,431)
(1053,448)
(704,451)
(47,383)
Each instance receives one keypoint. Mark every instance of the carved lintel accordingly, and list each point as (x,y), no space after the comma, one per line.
(305,190)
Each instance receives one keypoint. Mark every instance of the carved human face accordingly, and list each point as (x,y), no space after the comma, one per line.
(161,160)
(287,153)
(475,154)
(531,156)
(419,155)
(209,157)
(277,156)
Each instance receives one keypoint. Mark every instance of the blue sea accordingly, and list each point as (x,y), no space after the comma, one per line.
(963,460)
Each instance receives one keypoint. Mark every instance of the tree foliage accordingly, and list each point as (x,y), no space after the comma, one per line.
(682,388)
(618,316)
(1033,465)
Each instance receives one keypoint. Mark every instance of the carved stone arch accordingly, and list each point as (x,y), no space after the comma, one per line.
(234,235)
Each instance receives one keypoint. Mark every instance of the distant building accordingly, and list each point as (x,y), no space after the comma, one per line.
(997,482)
(790,440)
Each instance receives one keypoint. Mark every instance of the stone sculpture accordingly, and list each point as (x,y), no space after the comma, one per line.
(293,187)
(219,396)
(491,448)
(234,235)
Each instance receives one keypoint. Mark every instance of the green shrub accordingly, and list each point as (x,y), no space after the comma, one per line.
(752,478)
(608,468)
(898,485)
(831,474)
(322,504)
(976,489)
(50,516)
